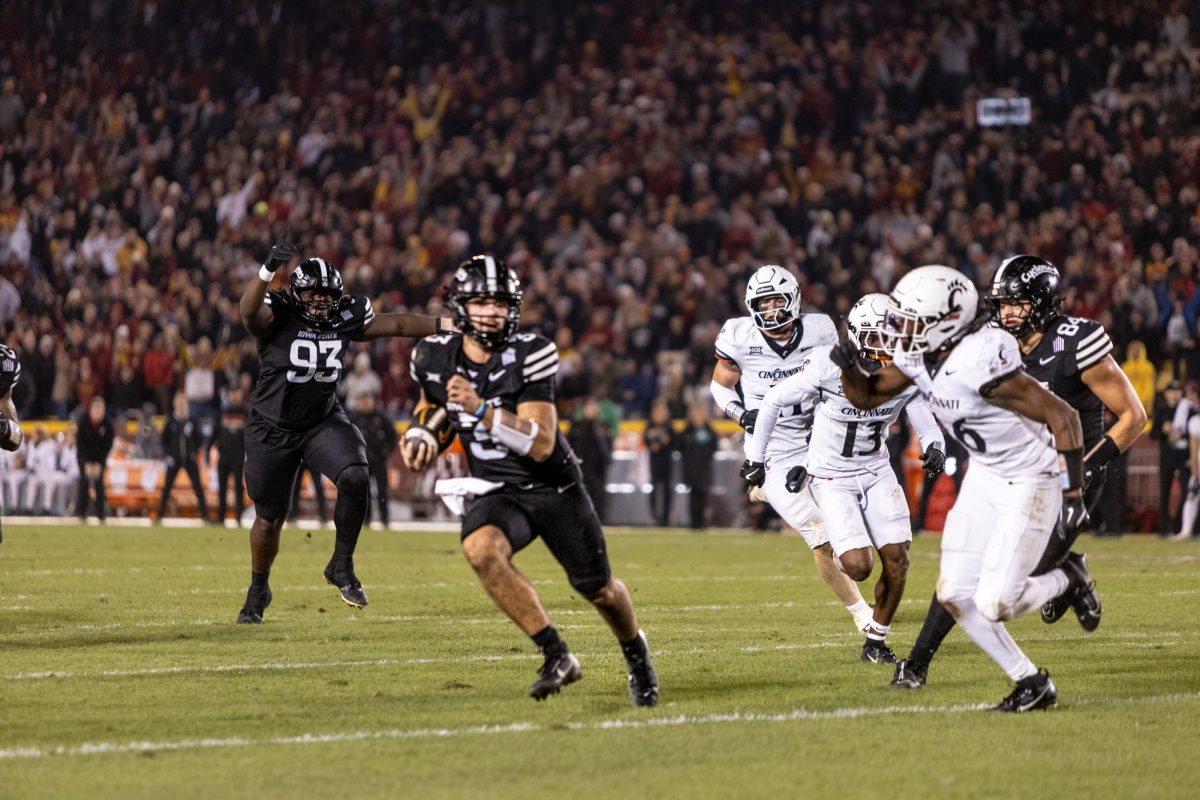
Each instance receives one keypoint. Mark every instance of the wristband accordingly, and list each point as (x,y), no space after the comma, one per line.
(266,274)
(437,325)
(1103,453)
(734,410)
(480,410)
(1072,476)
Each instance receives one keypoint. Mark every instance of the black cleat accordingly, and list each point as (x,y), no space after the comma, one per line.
(909,675)
(1052,610)
(874,652)
(347,584)
(1084,598)
(557,671)
(256,604)
(643,680)
(1036,691)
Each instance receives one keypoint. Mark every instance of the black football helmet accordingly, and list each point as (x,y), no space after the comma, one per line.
(482,277)
(1027,279)
(318,276)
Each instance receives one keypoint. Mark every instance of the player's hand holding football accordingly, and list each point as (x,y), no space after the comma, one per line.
(460,392)
(418,449)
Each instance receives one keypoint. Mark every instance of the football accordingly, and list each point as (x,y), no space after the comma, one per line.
(432,423)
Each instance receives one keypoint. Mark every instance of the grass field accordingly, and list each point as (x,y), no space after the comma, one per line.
(122,675)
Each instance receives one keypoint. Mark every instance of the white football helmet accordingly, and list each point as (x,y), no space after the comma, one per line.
(930,308)
(772,281)
(864,326)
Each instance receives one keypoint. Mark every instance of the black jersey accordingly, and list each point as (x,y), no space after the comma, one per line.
(10,369)
(1068,347)
(301,365)
(522,371)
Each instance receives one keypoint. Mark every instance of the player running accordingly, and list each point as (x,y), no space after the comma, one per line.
(848,468)
(10,427)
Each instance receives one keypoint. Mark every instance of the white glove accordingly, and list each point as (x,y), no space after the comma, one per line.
(913,367)
(757,495)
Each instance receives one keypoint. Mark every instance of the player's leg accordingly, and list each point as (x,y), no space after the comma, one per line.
(972,528)
(890,528)
(272,467)
(379,475)
(800,511)
(569,526)
(494,528)
(1085,602)
(101,493)
(912,671)
(336,448)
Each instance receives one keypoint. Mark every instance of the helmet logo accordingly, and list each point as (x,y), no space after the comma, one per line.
(1040,269)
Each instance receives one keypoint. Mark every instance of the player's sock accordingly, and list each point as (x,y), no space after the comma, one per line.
(547,640)
(1190,508)
(635,650)
(349,512)
(258,580)
(994,639)
(1041,589)
(877,632)
(938,624)
(862,614)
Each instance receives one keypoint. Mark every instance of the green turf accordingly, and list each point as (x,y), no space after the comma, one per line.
(122,675)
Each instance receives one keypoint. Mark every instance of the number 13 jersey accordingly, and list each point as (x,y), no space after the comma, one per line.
(301,365)
(1000,441)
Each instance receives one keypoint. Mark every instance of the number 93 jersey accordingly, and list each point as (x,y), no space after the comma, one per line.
(999,441)
(521,371)
(764,362)
(301,365)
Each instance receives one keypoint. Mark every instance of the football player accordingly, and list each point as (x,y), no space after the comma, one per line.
(498,386)
(849,469)
(10,427)
(303,335)
(1071,357)
(972,376)
(753,354)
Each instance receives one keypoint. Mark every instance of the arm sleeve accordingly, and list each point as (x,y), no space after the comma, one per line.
(928,431)
(794,390)
(724,396)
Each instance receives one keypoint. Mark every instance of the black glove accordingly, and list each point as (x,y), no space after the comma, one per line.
(1074,514)
(753,473)
(845,355)
(795,479)
(7,438)
(934,460)
(281,253)
(747,420)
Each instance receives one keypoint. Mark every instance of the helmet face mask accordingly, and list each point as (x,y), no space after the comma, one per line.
(316,289)
(773,299)
(484,284)
(865,328)
(1028,285)
(930,309)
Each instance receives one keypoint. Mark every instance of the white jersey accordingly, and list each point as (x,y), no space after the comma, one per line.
(998,440)
(764,362)
(846,440)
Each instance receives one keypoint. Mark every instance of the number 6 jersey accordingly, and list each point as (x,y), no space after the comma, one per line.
(521,371)
(1001,441)
(301,365)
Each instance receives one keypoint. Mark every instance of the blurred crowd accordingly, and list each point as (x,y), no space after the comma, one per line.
(633,162)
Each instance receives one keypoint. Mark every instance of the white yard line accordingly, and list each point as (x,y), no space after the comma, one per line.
(681,720)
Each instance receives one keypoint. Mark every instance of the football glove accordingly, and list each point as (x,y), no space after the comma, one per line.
(934,460)
(747,420)
(753,473)
(845,355)
(795,479)
(281,253)
(1074,514)
(8,435)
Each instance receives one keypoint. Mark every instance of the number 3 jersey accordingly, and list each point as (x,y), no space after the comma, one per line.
(764,362)
(301,365)
(521,371)
(846,440)
(1002,442)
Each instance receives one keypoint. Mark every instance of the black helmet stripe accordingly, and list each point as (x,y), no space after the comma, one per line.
(490,266)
